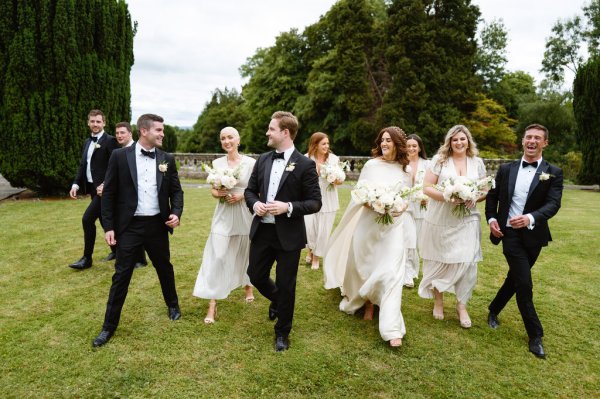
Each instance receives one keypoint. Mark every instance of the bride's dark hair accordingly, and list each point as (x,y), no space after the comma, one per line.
(399,139)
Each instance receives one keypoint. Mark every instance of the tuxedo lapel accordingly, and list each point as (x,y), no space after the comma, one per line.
(130,152)
(512,179)
(160,157)
(86,148)
(286,173)
(268,165)
(536,179)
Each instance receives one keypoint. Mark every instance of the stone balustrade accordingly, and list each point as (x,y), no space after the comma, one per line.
(190,164)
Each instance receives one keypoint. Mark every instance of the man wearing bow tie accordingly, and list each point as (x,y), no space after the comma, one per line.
(142,203)
(283,187)
(528,193)
(90,175)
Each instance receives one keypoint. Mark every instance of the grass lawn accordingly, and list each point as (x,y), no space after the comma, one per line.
(50,314)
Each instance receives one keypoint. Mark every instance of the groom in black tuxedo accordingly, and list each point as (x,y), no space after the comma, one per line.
(94,160)
(283,187)
(142,203)
(528,193)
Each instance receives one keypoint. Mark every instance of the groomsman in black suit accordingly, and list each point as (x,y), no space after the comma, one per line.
(124,137)
(528,193)
(142,203)
(282,189)
(92,168)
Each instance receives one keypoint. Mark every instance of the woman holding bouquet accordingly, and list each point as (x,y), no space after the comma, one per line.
(318,225)
(225,258)
(449,240)
(416,208)
(363,257)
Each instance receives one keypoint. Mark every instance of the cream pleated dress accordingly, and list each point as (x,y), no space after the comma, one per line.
(413,260)
(366,259)
(319,225)
(225,259)
(450,246)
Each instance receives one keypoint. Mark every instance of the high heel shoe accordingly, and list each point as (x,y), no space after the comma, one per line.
(210,319)
(438,311)
(315,263)
(396,342)
(308,258)
(466,321)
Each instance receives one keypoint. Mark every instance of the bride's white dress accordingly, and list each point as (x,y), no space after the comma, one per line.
(225,259)
(450,246)
(366,259)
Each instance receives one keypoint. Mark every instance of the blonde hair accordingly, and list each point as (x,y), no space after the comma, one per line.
(445,151)
(230,129)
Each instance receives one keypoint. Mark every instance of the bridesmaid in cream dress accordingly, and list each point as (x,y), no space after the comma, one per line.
(418,165)
(319,225)
(451,245)
(363,257)
(225,258)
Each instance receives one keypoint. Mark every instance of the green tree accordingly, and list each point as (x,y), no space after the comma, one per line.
(586,103)
(276,79)
(224,109)
(491,127)
(514,89)
(342,97)
(169,143)
(490,60)
(430,56)
(58,60)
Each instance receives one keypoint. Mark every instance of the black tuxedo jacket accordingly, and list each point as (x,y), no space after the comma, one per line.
(98,163)
(299,186)
(543,201)
(120,196)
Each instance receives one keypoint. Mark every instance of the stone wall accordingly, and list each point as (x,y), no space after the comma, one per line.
(190,165)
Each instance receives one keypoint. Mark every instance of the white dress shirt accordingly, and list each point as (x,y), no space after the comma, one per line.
(274,179)
(147,188)
(91,148)
(525,176)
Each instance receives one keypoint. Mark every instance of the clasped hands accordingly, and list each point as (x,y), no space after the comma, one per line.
(274,208)
(470,204)
(230,198)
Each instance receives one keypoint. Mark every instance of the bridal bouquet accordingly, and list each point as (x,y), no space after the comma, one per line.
(420,197)
(221,179)
(382,199)
(465,189)
(334,173)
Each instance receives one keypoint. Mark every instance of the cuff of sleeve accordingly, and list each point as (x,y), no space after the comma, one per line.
(290,209)
(490,220)
(75,186)
(531,222)
(254,206)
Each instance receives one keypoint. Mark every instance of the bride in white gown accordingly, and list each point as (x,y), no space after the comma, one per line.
(366,259)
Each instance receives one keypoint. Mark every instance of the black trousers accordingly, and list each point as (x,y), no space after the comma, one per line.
(265,249)
(150,233)
(91,214)
(518,281)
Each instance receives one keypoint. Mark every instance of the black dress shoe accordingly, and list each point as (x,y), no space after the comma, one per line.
(83,263)
(493,320)
(174,313)
(273,313)
(281,343)
(536,347)
(140,264)
(102,338)
(111,256)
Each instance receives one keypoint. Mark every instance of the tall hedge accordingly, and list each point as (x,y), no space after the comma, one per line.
(586,107)
(58,60)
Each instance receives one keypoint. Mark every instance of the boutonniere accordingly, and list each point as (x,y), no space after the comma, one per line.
(545,176)
(163,166)
(290,167)
(96,146)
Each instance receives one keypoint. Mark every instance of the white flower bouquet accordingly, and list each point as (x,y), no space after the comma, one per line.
(334,173)
(420,197)
(384,200)
(221,179)
(464,189)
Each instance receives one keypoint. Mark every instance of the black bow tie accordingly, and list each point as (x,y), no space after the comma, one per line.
(278,155)
(526,164)
(94,139)
(150,154)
